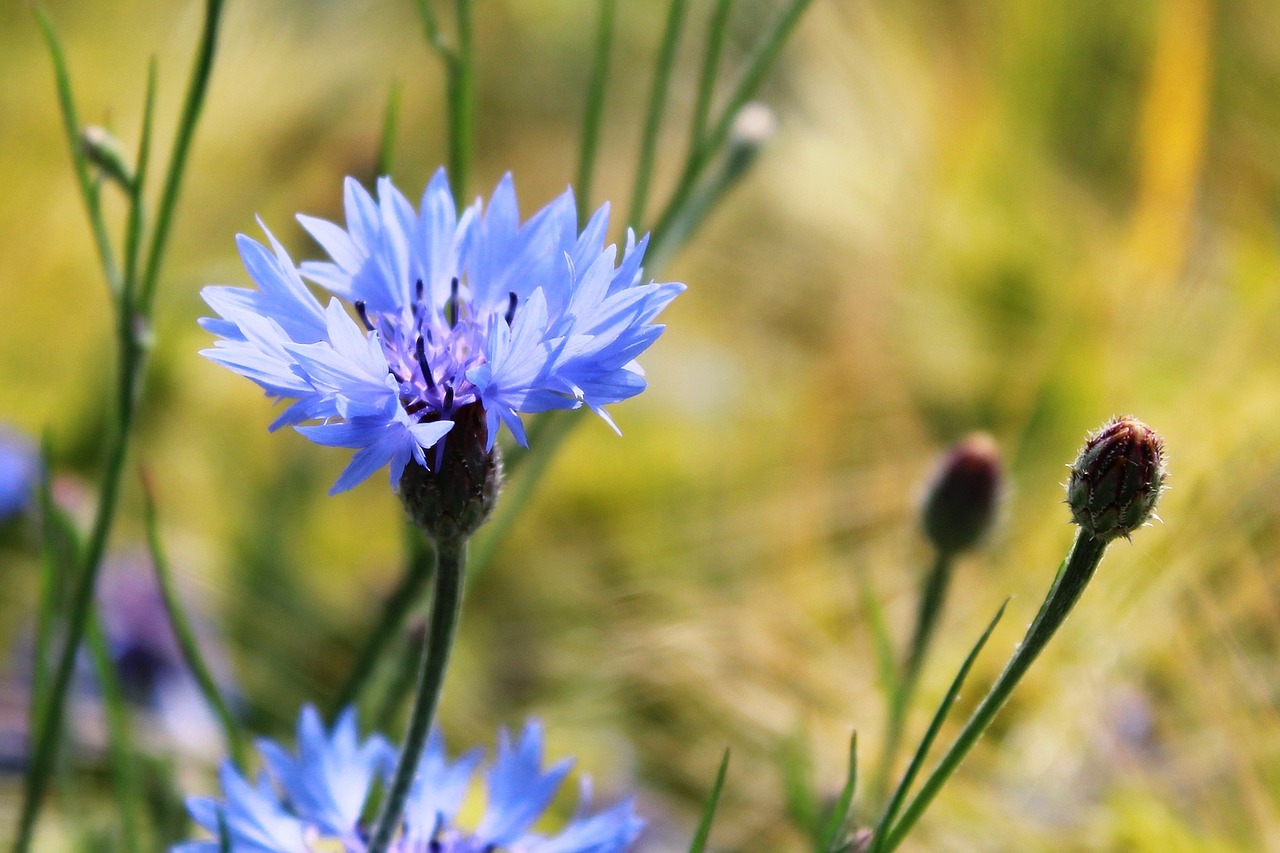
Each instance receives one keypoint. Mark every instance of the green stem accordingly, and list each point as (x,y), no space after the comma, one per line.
(1081,563)
(717,29)
(48,729)
(657,106)
(932,597)
(461,106)
(186,636)
(446,603)
(595,107)
(197,87)
(124,773)
(758,64)
(71,124)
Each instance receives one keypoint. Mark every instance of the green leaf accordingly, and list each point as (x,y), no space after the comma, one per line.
(699,843)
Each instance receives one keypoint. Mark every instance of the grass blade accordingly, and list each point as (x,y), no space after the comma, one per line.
(657,107)
(390,121)
(840,814)
(71,124)
(935,726)
(699,843)
(186,636)
(595,107)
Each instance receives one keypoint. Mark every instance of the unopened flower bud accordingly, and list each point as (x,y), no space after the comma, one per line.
(1117,479)
(104,151)
(753,127)
(452,498)
(963,496)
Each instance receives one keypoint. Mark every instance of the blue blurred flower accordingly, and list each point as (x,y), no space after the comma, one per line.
(450,311)
(19,471)
(314,801)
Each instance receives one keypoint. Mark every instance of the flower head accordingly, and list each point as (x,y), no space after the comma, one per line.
(439,323)
(19,471)
(1117,479)
(314,801)
(963,496)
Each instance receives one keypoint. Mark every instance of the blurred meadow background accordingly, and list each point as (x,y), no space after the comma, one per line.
(1017,216)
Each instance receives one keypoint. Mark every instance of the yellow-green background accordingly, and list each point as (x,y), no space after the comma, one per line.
(1021,216)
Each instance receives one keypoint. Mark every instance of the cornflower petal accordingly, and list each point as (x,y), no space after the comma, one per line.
(455,309)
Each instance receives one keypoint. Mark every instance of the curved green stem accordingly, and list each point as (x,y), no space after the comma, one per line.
(1081,563)
(445,607)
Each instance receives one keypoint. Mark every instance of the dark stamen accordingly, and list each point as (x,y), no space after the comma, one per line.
(511,307)
(417,289)
(363,314)
(397,376)
(415,407)
(451,307)
(421,351)
(448,397)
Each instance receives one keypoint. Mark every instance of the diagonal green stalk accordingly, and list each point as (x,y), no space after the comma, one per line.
(125,784)
(699,842)
(446,604)
(186,636)
(758,64)
(71,124)
(390,121)
(657,107)
(830,840)
(595,107)
(932,596)
(461,106)
(47,728)
(935,726)
(717,29)
(1080,565)
(193,103)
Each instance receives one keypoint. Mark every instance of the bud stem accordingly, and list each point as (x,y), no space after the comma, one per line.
(1072,578)
(446,604)
(932,597)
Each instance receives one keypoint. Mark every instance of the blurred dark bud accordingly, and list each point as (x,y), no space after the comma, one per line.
(456,495)
(753,128)
(962,499)
(106,154)
(1117,479)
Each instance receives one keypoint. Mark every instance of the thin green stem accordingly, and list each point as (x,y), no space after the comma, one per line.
(446,604)
(47,729)
(461,106)
(758,64)
(399,604)
(71,124)
(186,636)
(595,107)
(933,595)
(935,726)
(657,107)
(390,121)
(137,207)
(125,786)
(717,29)
(431,30)
(1081,563)
(197,88)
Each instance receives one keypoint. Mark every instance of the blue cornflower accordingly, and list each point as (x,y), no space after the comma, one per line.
(314,801)
(439,323)
(19,472)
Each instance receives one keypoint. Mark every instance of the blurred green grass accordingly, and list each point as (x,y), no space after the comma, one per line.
(1015,216)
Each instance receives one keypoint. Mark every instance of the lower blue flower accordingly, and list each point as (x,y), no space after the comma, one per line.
(313,801)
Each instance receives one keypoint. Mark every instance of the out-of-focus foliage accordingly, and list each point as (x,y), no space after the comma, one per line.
(1014,216)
